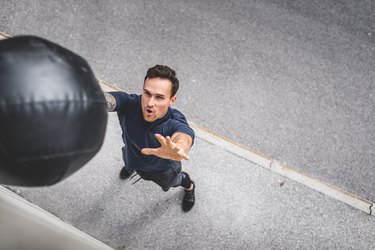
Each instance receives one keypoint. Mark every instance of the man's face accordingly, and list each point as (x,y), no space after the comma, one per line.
(156,98)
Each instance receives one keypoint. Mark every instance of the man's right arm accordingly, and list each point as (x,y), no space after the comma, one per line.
(111,101)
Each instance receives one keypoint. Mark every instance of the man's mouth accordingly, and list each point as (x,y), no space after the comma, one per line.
(149,111)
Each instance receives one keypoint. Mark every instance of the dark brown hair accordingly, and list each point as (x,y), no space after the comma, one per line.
(164,72)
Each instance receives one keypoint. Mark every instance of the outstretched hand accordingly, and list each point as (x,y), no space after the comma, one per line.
(167,150)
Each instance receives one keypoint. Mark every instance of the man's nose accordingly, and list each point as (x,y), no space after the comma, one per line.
(151,102)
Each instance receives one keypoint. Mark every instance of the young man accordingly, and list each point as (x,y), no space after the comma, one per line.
(156,136)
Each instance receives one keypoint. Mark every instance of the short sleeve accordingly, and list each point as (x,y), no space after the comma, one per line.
(183,127)
(123,100)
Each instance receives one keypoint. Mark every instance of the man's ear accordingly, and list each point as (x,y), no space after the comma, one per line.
(172,101)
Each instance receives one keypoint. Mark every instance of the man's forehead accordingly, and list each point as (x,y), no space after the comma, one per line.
(158,86)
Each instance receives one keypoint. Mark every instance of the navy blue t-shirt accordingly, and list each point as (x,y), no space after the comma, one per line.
(138,133)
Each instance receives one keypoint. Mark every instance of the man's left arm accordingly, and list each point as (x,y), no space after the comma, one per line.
(183,141)
(174,148)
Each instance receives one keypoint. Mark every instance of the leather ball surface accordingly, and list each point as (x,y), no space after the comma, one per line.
(52,112)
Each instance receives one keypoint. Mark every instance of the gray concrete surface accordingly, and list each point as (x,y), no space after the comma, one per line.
(290,79)
(239,206)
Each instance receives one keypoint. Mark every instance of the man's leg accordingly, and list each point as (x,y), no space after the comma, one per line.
(174,178)
(125,172)
(183,179)
(189,197)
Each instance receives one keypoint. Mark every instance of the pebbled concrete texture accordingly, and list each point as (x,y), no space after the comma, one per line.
(290,79)
(239,206)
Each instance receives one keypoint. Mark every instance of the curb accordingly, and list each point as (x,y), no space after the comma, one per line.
(284,170)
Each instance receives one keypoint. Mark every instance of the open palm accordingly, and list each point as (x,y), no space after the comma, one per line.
(167,150)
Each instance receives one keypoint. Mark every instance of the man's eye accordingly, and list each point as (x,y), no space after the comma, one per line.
(159,98)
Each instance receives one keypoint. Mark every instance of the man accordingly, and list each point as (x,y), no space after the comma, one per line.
(156,136)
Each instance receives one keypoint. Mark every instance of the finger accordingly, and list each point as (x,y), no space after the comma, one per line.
(183,155)
(149,151)
(169,141)
(161,139)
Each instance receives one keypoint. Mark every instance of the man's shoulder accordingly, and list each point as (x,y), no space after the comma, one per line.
(177,115)
(132,97)
(178,120)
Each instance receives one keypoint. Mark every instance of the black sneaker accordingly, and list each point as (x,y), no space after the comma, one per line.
(124,174)
(189,199)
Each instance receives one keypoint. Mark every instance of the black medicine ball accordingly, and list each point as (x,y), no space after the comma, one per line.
(52,112)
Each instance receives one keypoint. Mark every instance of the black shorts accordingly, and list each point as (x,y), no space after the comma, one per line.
(167,179)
